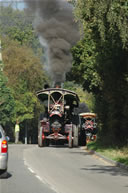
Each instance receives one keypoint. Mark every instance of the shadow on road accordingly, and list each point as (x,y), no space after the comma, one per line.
(9,175)
(111,170)
(81,153)
(58,146)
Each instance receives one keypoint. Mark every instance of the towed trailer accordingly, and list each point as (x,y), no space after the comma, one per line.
(88,127)
(58,123)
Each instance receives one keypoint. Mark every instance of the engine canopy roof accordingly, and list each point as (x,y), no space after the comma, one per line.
(68,95)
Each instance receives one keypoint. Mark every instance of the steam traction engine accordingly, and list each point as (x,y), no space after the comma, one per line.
(58,123)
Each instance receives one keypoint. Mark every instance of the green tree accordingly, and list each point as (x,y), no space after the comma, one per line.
(101,63)
(6,101)
(22,67)
(84,64)
(25,76)
(18,26)
(83,95)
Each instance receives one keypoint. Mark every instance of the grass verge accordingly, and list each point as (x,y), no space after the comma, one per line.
(114,153)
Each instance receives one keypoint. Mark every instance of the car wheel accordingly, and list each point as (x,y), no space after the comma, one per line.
(3,173)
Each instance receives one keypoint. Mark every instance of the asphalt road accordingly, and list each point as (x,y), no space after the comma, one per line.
(20,179)
(61,170)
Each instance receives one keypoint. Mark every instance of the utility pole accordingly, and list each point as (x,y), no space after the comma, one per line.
(26,133)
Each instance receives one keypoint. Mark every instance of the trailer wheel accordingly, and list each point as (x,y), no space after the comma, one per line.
(40,141)
(82,138)
(70,142)
(46,142)
(75,139)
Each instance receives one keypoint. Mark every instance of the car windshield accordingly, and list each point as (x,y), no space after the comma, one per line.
(1,129)
(0,134)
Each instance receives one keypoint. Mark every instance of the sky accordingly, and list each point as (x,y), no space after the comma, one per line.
(19,5)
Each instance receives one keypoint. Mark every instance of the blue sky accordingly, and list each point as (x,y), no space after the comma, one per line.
(19,5)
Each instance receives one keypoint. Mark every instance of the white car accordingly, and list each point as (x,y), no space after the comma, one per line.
(3,152)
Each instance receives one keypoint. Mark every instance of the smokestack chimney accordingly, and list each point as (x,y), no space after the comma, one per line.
(57,85)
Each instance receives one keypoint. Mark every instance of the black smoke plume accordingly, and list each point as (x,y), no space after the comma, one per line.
(57,32)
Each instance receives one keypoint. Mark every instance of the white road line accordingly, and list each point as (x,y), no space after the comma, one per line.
(31,170)
(54,189)
(25,163)
(39,178)
(43,180)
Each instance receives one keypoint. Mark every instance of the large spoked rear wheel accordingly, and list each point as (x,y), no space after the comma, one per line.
(75,137)
(40,140)
(70,142)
